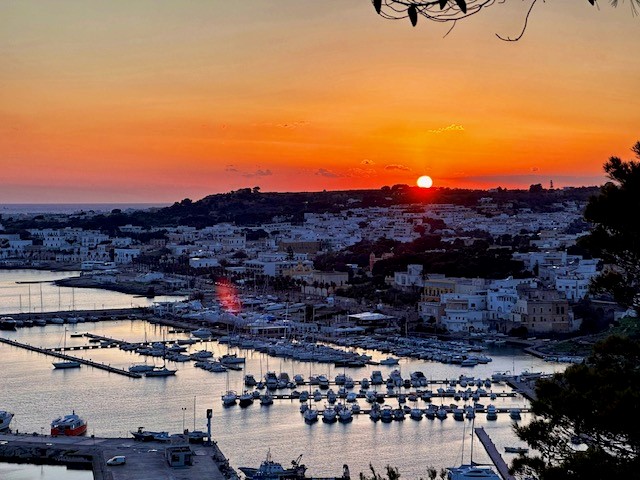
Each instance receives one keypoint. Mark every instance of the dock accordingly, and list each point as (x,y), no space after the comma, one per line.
(52,353)
(492,451)
(144,461)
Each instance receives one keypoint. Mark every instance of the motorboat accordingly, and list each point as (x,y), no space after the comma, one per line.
(492,413)
(386,414)
(245,399)
(374,413)
(142,435)
(266,399)
(345,415)
(8,323)
(201,333)
(231,359)
(160,372)
(329,415)
(389,361)
(229,398)
(458,413)
(141,368)
(249,380)
(5,419)
(310,415)
(516,449)
(514,413)
(270,470)
(69,425)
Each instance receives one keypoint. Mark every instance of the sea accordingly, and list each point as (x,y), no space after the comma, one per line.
(115,405)
(71,208)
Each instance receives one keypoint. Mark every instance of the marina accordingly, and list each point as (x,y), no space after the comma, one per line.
(40,393)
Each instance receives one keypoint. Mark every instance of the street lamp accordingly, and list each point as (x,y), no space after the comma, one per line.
(184,409)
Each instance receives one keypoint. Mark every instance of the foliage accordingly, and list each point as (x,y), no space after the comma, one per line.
(454,10)
(592,405)
(616,236)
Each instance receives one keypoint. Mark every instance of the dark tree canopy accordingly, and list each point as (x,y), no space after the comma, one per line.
(584,426)
(454,10)
(616,237)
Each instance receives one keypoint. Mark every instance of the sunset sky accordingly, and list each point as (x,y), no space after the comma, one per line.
(156,101)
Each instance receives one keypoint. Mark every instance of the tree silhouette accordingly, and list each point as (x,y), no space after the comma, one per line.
(616,236)
(454,10)
(583,428)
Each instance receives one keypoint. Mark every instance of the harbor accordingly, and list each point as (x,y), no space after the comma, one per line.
(115,404)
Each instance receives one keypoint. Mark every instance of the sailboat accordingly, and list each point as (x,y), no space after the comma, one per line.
(66,363)
(470,470)
(161,371)
(310,414)
(230,396)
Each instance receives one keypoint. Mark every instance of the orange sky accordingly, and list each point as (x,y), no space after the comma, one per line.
(158,100)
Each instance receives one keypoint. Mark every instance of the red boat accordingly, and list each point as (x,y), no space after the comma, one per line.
(70,425)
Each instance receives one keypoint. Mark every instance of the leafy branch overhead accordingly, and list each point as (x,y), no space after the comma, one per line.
(454,10)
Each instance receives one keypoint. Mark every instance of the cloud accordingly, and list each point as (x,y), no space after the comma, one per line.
(258,173)
(302,123)
(454,127)
(366,161)
(326,173)
(396,166)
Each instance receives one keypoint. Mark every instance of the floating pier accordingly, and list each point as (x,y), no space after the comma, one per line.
(492,451)
(47,351)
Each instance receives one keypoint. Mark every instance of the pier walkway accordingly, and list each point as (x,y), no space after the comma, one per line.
(492,451)
(90,363)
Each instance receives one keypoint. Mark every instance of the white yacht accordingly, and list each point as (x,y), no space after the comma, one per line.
(469,472)
(5,419)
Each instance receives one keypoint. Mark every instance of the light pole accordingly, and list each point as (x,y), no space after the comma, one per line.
(184,409)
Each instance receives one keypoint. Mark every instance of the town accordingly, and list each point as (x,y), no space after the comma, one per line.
(350,271)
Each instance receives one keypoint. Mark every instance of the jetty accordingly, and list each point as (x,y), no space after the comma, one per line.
(492,451)
(53,353)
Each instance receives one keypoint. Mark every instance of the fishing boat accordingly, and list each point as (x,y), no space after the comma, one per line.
(66,363)
(69,425)
(270,470)
(5,419)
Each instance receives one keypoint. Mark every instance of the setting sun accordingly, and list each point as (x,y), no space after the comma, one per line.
(424,181)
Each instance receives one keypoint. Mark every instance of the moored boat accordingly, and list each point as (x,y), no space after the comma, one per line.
(69,425)
(516,449)
(5,419)
(270,470)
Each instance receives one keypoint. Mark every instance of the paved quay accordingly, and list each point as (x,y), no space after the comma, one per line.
(144,460)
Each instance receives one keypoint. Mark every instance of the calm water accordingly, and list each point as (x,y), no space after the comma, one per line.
(45,296)
(10,471)
(29,208)
(114,405)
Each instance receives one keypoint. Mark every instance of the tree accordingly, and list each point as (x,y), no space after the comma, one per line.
(587,405)
(616,236)
(454,10)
